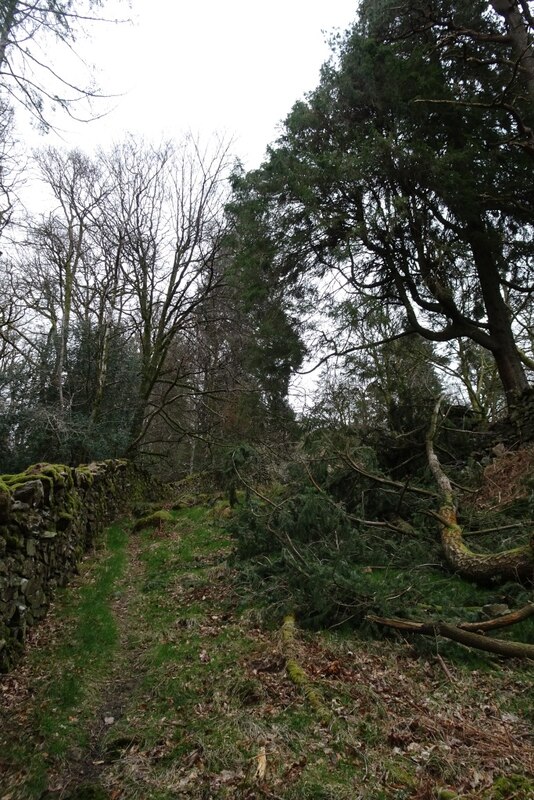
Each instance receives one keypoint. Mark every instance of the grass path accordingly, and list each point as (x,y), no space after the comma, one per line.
(153,679)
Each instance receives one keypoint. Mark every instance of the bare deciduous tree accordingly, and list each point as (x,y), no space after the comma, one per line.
(168,207)
(27,74)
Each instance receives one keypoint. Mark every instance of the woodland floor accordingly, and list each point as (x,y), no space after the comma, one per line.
(154,678)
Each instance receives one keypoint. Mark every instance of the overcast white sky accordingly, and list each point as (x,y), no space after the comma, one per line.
(212,67)
(228,66)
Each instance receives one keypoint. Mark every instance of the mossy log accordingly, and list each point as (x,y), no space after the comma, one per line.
(155,520)
(296,673)
(482,568)
(515,564)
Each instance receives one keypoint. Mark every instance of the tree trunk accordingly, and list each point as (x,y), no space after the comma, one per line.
(516,564)
(504,349)
(6,24)
(136,429)
(101,373)
(522,46)
(483,568)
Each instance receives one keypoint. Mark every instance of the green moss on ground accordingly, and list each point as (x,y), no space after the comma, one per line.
(202,704)
(518,787)
(154,520)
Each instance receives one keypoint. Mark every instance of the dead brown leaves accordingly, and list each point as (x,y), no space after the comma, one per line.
(243,730)
(504,479)
(392,708)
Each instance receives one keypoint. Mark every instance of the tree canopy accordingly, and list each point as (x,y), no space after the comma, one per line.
(405,177)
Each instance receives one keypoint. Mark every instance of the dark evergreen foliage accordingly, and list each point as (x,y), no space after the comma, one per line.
(405,177)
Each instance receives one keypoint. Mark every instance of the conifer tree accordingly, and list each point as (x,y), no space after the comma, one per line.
(406,176)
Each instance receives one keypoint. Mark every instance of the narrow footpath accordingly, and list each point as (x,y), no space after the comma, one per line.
(155,677)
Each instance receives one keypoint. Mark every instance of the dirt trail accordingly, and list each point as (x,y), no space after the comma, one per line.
(83,767)
(25,689)
(185,694)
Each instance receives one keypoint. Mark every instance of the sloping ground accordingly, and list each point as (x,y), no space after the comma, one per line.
(153,679)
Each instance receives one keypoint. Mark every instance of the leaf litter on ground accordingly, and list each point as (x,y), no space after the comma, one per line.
(202,705)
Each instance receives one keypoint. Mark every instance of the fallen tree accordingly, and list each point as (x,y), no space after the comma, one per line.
(483,568)
(515,564)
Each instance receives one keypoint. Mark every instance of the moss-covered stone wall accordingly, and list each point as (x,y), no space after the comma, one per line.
(49,516)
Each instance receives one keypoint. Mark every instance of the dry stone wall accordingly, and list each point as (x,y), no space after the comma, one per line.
(49,516)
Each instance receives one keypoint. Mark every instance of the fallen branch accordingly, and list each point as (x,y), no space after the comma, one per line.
(367,522)
(484,531)
(385,481)
(457,634)
(445,669)
(500,622)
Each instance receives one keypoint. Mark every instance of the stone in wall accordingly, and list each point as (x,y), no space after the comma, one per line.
(49,516)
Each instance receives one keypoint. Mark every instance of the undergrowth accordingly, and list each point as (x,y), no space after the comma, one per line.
(335,547)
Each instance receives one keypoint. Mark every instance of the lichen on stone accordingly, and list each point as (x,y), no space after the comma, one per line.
(43,540)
